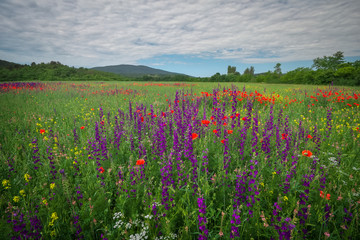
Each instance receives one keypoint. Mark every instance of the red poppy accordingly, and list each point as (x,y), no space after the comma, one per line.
(101,170)
(142,119)
(328,196)
(322,194)
(102,122)
(284,136)
(309,136)
(244,119)
(223,141)
(140,162)
(215,131)
(307,153)
(42,131)
(194,136)
(229,131)
(224,123)
(82,127)
(205,122)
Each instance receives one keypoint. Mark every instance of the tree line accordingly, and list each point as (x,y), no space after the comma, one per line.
(325,70)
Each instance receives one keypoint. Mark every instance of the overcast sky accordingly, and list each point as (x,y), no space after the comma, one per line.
(198,38)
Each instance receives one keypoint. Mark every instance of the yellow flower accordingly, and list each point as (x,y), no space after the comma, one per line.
(262,184)
(22,193)
(44,202)
(52,233)
(27,177)
(54,216)
(16,199)
(52,185)
(6,184)
(285,198)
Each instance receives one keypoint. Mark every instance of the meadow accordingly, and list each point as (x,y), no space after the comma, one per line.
(127,160)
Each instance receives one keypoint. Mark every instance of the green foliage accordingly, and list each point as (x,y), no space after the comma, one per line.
(53,71)
(329,62)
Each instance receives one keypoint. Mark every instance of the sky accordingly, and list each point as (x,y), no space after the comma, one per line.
(194,37)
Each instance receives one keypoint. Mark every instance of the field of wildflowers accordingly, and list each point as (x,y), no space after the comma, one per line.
(127,160)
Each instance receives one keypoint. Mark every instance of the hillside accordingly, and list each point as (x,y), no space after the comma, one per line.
(134,71)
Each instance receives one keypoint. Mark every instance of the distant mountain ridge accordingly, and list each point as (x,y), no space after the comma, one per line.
(135,70)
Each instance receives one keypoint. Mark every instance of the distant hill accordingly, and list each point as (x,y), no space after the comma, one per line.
(135,71)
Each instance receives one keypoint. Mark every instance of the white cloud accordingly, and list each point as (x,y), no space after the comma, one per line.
(93,33)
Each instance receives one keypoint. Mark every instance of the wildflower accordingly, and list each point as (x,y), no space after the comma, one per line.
(6,184)
(339,198)
(321,194)
(205,122)
(44,202)
(54,216)
(194,136)
(326,235)
(52,186)
(22,193)
(229,131)
(328,196)
(285,198)
(140,162)
(223,141)
(101,170)
(16,199)
(82,127)
(244,119)
(42,131)
(215,131)
(284,136)
(306,153)
(27,177)
(309,136)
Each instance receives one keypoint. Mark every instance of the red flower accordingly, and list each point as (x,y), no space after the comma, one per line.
(215,131)
(306,153)
(223,141)
(284,136)
(140,162)
(229,131)
(101,170)
(82,127)
(309,136)
(328,196)
(322,194)
(224,123)
(102,122)
(42,131)
(194,136)
(142,119)
(205,122)
(244,118)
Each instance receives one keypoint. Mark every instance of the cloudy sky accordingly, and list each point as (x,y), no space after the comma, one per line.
(198,38)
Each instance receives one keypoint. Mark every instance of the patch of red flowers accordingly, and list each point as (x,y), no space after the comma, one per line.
(82,127)
(205,122)
(194,136)
(229,131)
(101,170)
(42,131)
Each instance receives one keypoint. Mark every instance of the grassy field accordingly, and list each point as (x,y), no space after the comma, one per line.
(127,160)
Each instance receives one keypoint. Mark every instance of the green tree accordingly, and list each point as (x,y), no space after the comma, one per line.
(277,69)
(329,62)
